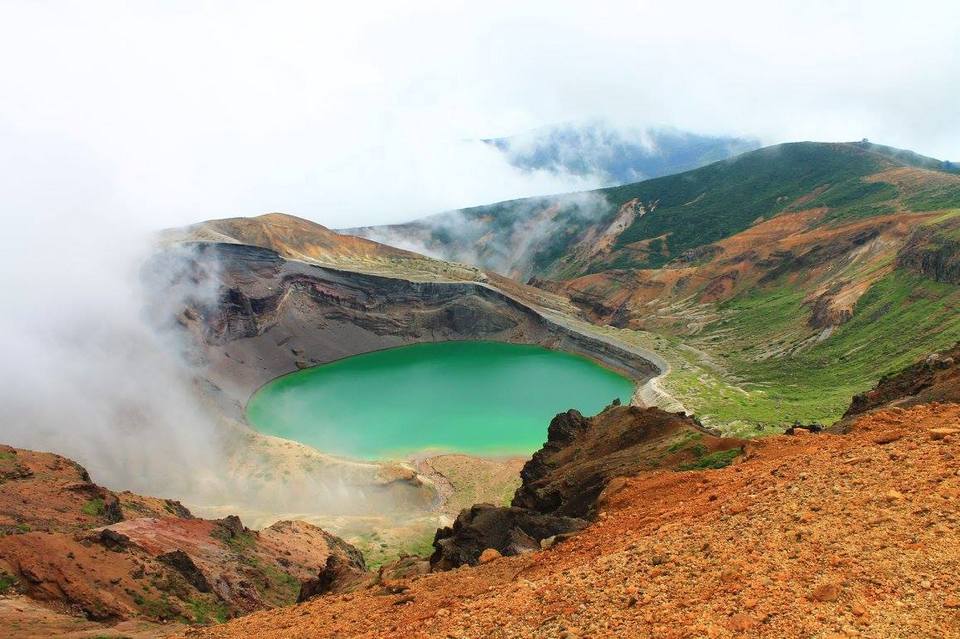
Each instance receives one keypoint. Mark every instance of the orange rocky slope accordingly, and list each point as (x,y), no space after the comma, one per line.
(833,264)
(303,240)
(80,549)
(806,536)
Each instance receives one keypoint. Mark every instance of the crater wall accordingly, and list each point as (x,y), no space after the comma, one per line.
(272,316)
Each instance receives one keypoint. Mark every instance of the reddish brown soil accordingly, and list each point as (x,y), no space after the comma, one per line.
(88,553)
(807,536)
(41,491)
(843,259)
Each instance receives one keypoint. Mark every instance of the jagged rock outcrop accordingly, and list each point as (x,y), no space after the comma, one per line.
(582,455)
(510,531)
(564,480)
(936,378)
(344,568)
(182,563)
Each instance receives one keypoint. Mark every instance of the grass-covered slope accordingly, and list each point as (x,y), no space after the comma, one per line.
(900,319)
(647,224)
(852,274)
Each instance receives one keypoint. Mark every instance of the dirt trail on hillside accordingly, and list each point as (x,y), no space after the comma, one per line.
(809,536)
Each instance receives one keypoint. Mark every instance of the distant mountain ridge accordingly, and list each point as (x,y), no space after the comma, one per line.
(617,156)
(646,224)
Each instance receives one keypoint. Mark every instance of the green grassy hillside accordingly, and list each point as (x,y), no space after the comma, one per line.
(543,236)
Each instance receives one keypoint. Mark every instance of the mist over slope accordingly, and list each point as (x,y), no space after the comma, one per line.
(87,373)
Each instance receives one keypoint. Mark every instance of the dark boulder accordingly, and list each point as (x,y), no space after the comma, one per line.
(510,531)
(343,570)
(112,540)
(111,508)
(231,526)
(177,509)
(183,564)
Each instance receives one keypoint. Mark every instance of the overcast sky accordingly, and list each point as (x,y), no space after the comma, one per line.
(161,113)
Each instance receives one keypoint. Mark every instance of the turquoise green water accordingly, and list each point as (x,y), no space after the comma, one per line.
(471,397)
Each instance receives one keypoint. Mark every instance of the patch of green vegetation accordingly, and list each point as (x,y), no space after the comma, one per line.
(683,441)
(6,456)
(283,583)
(205,611)
(238,543)
(94,507)
(719,200)
(377,551)
(23,528)
(277,586)
(934,198)
(759,368)
(713,461)
(854,199)
(900,319)
(698,450)
(157,608)
(7,582)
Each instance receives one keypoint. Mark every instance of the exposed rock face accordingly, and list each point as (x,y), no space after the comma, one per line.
(272,316)
(934,379)
(343,569)
(182,563)
(824,312)
(933,251)
(582,455)
(564,481)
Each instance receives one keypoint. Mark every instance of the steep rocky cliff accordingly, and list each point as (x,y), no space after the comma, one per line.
(268,315)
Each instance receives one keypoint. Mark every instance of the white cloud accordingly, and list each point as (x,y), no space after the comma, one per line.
(357,113)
